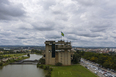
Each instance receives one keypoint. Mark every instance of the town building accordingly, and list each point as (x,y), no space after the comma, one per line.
(57,52)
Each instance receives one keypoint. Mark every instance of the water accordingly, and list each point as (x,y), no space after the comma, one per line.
(23,70)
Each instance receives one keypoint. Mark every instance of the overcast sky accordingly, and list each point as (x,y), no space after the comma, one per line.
(83,22)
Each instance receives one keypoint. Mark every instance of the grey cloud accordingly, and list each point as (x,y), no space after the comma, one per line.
(60,17)
(57,12)
(46,4)
(98,30)
(52,36)
(39,26)
(72,37)
(84,33)
(10,42)
(102,38)
(20,37)
(43,26)
(25,28)
(9,10)
(89,35)
(86,2)
(4,1)
(6,33)
(101,27)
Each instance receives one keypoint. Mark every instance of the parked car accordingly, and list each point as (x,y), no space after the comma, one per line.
(85,66)
(114,71)
(113,75)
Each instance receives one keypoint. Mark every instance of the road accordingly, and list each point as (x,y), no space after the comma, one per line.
(88,64)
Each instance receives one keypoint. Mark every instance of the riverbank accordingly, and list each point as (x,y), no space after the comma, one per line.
(12,58)
(23,70)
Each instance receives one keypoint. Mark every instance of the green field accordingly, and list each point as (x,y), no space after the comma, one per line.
(10,55)
(71,71)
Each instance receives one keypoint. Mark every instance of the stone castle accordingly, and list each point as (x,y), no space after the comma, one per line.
(57,52)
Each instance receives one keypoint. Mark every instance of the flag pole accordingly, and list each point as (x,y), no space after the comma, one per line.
(61,36)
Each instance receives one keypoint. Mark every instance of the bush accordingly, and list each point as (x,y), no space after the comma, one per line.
(42,61)
(48,75)
(38,65)
(49,72)
(41,66)
(1,64)
(58,64)
(46,68)
(50,69)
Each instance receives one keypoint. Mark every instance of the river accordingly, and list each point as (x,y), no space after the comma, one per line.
(23,70)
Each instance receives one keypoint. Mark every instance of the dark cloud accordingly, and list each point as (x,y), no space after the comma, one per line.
(72,38)
(9,10)
(20,37)
(101,27)
(89,35)
(57,12)
(43,26)
(52,36)
(98,29)
(85,33)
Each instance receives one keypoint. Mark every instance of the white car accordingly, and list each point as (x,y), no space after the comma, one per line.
(109,74)
(95,72)
(100,70)
(113,75)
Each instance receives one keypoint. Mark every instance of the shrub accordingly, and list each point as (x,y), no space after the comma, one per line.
(49,72)
(28,55)
(46,68)
(38,65)
(1,64)
(50,69)
(58,64)
(42,61)
(41,66)
(48,75)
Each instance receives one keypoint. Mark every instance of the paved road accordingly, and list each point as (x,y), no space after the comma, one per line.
(85,63)
(92,70)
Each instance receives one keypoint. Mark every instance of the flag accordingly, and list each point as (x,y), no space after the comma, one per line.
(62,33)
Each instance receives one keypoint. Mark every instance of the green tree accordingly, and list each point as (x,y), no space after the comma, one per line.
(41,61)
(28,55)
(76,58)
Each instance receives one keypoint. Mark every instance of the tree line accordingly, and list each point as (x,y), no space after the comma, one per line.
(36,51)
(106,60)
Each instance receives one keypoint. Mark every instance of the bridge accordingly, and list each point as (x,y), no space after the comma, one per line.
(26,62)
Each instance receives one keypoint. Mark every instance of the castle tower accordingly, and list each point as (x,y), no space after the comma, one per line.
(57,52)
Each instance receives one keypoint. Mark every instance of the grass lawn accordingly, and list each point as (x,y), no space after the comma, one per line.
(71,71)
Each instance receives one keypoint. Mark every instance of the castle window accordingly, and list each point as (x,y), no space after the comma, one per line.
(71,55)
